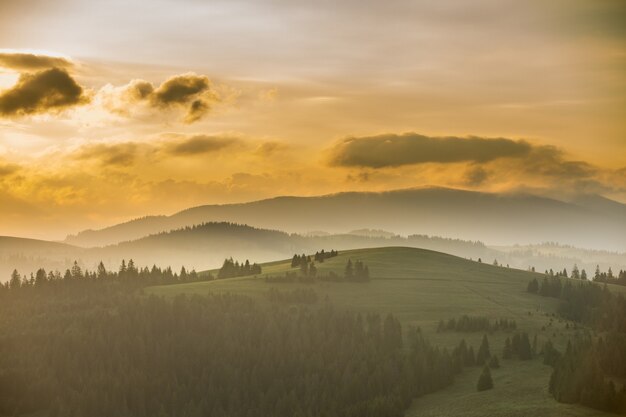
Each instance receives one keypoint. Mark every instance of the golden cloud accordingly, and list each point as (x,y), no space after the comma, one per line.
(8,169)
(391,150)
(197,109)
(270,148)
(121,154)
(191,92)
(180,89)
(201,144)
(138,90)
(41,92)
(27,62)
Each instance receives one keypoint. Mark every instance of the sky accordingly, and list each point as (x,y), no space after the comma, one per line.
(112,110)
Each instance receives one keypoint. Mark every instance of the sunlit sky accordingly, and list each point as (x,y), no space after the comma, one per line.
(111,110)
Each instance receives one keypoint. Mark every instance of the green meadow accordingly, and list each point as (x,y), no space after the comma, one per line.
(422,287)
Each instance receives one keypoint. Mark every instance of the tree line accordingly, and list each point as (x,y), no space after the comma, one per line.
(467,323)
(232,269)
(308,273)
(607,277)
(320,256)
(127,274)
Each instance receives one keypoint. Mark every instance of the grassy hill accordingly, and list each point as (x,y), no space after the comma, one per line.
(421,288)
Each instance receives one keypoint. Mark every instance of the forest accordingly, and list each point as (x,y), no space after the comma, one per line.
(592,369)
(89,343)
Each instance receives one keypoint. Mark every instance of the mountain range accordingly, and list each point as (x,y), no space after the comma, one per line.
(589,221)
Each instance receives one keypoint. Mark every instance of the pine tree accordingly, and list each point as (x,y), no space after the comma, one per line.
(533,286)
(484,381)
(16,280)
(76,271)
(101,271)
(483,352)
(349,273)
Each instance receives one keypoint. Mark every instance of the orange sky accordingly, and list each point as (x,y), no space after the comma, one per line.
(111,110)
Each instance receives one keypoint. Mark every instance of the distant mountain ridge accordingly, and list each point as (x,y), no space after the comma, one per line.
(205,246)
(499,219)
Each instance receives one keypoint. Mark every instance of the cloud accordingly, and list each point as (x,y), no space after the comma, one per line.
(201,144)
(473,162)
(138,90)
(121,154)
(269,148)
(191,92)
(8,169)
(26,62)
(550,161)
(476,176)
(180,89)
(41,92)
(391,150)
(197,109)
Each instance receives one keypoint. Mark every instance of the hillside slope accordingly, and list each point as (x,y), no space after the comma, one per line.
(27,255)
(493,218)
(422,287)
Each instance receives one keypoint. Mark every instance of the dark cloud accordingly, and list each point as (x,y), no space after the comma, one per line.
(201,144)
(43,91)
(392,150)
(549,161)
(197,109)
(121,154)
(139,90)
(8,169)
(21,61)
(476,176)
(180,89)
(189,91)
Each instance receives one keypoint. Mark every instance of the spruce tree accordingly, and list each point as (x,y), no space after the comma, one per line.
(349,272)
(525,351)
(484,381)
(483,352)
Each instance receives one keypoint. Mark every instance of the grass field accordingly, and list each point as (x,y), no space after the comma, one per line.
(421,288)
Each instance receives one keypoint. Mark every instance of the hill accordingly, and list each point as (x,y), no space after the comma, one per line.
(503,219)
(549,255)
(206,245)
(422,287)
(29,254)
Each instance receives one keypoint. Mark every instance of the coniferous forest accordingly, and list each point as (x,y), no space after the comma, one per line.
(91,344)
(587,371)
